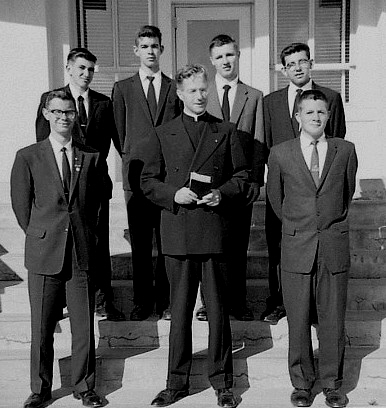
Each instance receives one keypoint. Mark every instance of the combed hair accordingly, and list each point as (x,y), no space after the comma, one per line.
(81,53)
(64,96)
(313,94)
(189,70)
(222,39)
(148,31)
(292,48)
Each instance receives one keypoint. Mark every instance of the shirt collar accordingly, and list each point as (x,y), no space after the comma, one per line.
(143,75)
(57,147)
(306,140)
(75,93)
(194,118)
(220,81)
(293,88)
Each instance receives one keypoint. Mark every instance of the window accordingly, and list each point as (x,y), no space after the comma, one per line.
(107,28)
(325,26)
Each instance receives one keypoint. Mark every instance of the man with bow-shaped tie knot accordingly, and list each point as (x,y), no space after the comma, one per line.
(57,187)
(311,181)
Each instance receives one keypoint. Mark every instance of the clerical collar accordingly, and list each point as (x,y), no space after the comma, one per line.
(195,118)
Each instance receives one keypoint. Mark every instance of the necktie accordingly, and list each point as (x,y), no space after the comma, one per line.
(314,167)
(151,99)
(225,103)
(295,123)
(66,173)
(82,112)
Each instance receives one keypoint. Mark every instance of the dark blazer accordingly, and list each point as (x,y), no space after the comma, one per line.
(133,118)
(247,114)
(314,219)
(43,213)
(169,157)
(277,119)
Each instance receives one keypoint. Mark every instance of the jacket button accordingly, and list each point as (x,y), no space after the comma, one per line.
(66,230)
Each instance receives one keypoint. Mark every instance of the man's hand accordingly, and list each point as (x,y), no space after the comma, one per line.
(212,199)
(185,196)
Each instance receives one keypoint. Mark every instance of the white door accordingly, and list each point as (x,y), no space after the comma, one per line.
(196,26)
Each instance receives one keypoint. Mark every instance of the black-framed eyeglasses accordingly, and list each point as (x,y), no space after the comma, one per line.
(303,63)
(70,114)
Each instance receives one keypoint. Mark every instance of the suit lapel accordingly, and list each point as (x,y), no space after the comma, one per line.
(214,106)
(298,159)
(92,104)
(165,86)
(138,90)
(78,157)
(330,156)
(239,102)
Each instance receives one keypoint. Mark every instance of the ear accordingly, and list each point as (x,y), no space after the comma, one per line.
(311,63)
(284,71)
(297,117)
(211,60)
(161,49)
(135,49)
(179,94)
(46,113)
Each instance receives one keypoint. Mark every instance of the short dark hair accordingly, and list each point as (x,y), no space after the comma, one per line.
(64,96)
(189,70)
(221,40)
(292,48)
(148,31)
(81,53)
(313,94)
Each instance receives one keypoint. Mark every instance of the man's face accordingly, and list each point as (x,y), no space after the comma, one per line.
(312,117)
(61,115)
(81,73)
(226,60)
(298,68)
(193,93)
(149,52)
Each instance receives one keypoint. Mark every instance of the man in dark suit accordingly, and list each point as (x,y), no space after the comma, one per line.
(57,205)
(141,102)
(311,181)
(196,148)
(231,100)
(95,127)
(280,125)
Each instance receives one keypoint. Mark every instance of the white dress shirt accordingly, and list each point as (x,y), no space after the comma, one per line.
(307,148)
(75,94)
(57,147)
(220,82)
(292,94)
(156,82)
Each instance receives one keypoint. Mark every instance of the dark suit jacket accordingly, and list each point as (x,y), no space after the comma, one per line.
(314,219)
(169,157)
(247,114)
(43,213)
(277,119)
(133,118)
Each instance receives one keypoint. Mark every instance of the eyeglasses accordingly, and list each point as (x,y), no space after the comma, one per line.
(70,114)
(303,63)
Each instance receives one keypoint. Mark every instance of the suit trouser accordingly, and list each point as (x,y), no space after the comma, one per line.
(184,274)
(273,236)
(323,295)
(144,219)
(44,292)
(103,271)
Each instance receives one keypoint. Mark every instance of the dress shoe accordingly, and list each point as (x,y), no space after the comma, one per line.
(140,313)
(37,400)
(166,315)
(277,314)
(168,396)
(335,398)
(242,313)
(89,398)
(301,398)
(225,398)
(201,314)
(108,311)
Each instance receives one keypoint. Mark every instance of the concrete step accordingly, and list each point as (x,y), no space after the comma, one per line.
(131,378)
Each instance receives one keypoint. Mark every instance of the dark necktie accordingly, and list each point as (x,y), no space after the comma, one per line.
(225,104)
(66,173)
(151,99)
(314,167)
(295,123)
(82,113)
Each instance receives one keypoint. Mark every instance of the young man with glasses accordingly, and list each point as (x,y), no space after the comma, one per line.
(94,127)
(280,125)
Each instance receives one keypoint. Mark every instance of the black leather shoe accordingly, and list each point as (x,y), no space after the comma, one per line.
(301,398)
(225,398)
(168,396)
(166,315)
(242,313)
(201,314)
(140,313)
(335,398)
(108,311)
(89,398)
(277,314)
(37,400)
